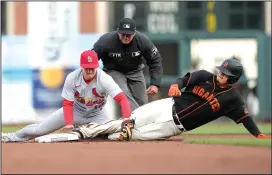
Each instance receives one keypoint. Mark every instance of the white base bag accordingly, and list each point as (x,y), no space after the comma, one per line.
(58,137)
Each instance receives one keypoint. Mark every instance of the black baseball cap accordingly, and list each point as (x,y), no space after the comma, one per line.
(127,26)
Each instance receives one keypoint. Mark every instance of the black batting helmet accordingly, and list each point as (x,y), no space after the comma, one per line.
(232,68)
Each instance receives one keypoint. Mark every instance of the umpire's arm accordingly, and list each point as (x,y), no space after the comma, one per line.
(98,47)
(153,61)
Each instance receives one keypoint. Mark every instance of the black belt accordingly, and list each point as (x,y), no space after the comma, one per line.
(176,119)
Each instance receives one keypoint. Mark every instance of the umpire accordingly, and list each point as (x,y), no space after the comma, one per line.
(121,52)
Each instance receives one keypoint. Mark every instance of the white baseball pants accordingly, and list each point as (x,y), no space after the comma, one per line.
(152,121)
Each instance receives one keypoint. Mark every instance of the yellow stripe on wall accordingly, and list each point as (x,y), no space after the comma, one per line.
(102,21)
(10,21)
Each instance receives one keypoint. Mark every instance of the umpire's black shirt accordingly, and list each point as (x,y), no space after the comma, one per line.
(127,58)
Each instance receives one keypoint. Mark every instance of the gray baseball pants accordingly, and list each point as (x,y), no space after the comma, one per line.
(56,121)
(133,85)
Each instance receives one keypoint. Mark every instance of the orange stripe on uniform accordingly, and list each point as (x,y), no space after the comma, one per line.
(204,103)
(189,80)
(193,110)
(241,118)
(213,83)
(187,108)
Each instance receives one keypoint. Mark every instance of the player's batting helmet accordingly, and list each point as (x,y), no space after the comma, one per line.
(232,68)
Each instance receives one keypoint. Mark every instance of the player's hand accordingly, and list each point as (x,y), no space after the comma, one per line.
(174,90)
(67,128)
(125,119)
(262,136)
(152,90)
(128,122)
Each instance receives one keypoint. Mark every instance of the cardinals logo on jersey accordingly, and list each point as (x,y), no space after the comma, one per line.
(81,99)
(97,101)
(96,94)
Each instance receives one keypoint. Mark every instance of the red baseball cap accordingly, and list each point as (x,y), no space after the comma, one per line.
(89,59)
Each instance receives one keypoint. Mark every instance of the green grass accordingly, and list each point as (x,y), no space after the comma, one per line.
(6,129)
(228,128)
(232,141)
(211,128)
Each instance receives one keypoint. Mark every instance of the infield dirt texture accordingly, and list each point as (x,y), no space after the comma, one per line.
(159,157)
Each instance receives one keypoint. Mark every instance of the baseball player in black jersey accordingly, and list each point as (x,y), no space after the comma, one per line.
(121,52)
(206,97)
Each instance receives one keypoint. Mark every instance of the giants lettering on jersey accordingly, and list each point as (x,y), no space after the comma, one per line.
(97,102)
(214,103)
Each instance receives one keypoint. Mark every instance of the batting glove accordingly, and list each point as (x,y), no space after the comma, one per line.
(262,136)
(174,90)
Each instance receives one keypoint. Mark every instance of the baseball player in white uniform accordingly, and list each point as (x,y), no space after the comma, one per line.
(151,121)
(84,96)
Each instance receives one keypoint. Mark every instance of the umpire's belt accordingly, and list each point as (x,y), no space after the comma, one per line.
(176,119)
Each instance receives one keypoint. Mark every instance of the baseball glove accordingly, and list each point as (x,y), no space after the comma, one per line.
(126,130)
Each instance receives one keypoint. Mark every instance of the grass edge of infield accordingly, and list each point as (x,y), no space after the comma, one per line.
(231,141)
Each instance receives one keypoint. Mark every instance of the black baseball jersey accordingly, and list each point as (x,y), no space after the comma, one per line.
(204,101)
(128,57)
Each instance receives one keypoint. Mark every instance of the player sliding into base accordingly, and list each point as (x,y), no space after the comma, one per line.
(206,98)
(84,96)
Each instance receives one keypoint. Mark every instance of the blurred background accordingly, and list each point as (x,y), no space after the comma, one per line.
(41,43)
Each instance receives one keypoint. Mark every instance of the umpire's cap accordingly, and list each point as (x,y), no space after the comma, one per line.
(127,26)
(89,59)
(232,68)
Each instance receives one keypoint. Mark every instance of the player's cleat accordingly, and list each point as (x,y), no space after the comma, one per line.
(125,134)
(9,137)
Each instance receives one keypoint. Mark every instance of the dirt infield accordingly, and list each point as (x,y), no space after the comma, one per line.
(159,157)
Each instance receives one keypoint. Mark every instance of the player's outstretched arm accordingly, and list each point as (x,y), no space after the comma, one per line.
(252,128)
(110,87)
(240,115)
(68,100)
(124,104)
